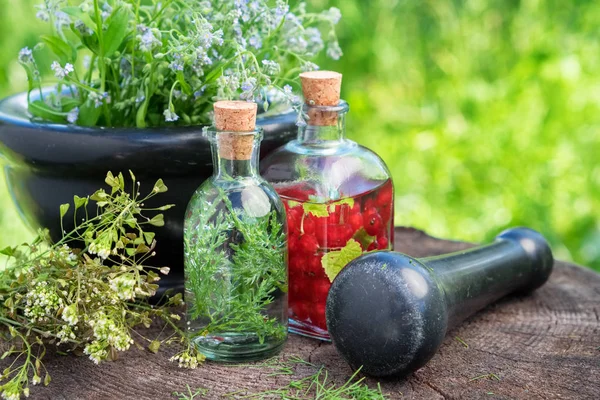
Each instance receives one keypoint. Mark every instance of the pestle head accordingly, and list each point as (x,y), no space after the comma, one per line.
(537,249)
(386,314)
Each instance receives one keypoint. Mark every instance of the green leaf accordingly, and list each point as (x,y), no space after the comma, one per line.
(63,209)
(42,110)
(79,14)
(8,251)
(318,210)
(293,203)
(80,201)
(160,187)
(117,30)
(132,176)
(142,249)
(113,182)
(362,237)
(64,52)
(334,261)
(100,195)
(68,103)
(149,236)
(349,201)
(187,89)
(158,220)
(154,346)
(47,379)
(88,114)
(121,181)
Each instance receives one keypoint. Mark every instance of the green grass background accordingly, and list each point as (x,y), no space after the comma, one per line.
(486,111)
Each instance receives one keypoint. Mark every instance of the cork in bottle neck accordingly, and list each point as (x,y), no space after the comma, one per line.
(321,90)
(236,121)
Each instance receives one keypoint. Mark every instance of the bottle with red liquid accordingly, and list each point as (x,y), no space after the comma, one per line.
(338,197)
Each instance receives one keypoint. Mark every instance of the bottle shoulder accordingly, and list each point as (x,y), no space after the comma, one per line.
(347,170)
(252,196)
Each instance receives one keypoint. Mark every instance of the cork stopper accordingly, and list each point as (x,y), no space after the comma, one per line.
(235,116)
(321,88)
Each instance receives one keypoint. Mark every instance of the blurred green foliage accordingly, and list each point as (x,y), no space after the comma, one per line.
(487,112)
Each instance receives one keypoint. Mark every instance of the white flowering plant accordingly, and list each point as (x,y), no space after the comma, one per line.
(88,292)
(126,63)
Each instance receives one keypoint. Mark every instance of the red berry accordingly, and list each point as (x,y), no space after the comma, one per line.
(297,291)
(292,245)
(321,231)
(308,225)
(314,267)
(372,221)
(382,243)
(372,246)
(334,217)
(386,213)
(309,244)
(300,311)
(320,291)
(355,221)
(296,263)
(385,195)
(369,203)
(335,236)
(317,316)
(344,211)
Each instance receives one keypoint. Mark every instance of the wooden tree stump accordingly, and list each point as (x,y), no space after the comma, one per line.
(542,346)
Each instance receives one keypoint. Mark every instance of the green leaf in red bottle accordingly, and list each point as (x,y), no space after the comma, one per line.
(362,237)
(316,209)
(334,261)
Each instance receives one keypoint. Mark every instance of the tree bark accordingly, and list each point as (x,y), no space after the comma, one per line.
(541,346)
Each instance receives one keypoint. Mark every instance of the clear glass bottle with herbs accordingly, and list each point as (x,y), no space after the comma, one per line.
(338,196)
(236,248)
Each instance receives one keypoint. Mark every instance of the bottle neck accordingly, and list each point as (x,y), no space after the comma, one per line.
(324,125)
(235,155)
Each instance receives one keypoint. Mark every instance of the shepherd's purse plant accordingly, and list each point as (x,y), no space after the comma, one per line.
(89,292)
(148,63)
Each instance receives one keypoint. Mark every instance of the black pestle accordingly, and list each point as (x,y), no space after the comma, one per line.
(388,313)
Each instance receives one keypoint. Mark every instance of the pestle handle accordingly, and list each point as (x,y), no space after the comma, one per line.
(519,260)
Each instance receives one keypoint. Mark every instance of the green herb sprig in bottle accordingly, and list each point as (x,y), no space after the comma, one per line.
(236,248)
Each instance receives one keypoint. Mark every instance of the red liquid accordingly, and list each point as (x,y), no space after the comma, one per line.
(368,219)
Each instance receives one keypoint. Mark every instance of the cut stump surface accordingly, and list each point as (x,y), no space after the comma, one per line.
(542,346)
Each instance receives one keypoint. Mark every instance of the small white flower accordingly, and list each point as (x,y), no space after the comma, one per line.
(61,72)
(103,254)
(334,14)
(25,55)
(72,117)
(170,116)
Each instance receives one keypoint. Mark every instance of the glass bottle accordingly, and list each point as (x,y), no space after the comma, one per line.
(236,248)
(338,197)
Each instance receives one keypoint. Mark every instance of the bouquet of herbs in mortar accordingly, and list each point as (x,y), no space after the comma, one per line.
(89,291)
(124,63)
